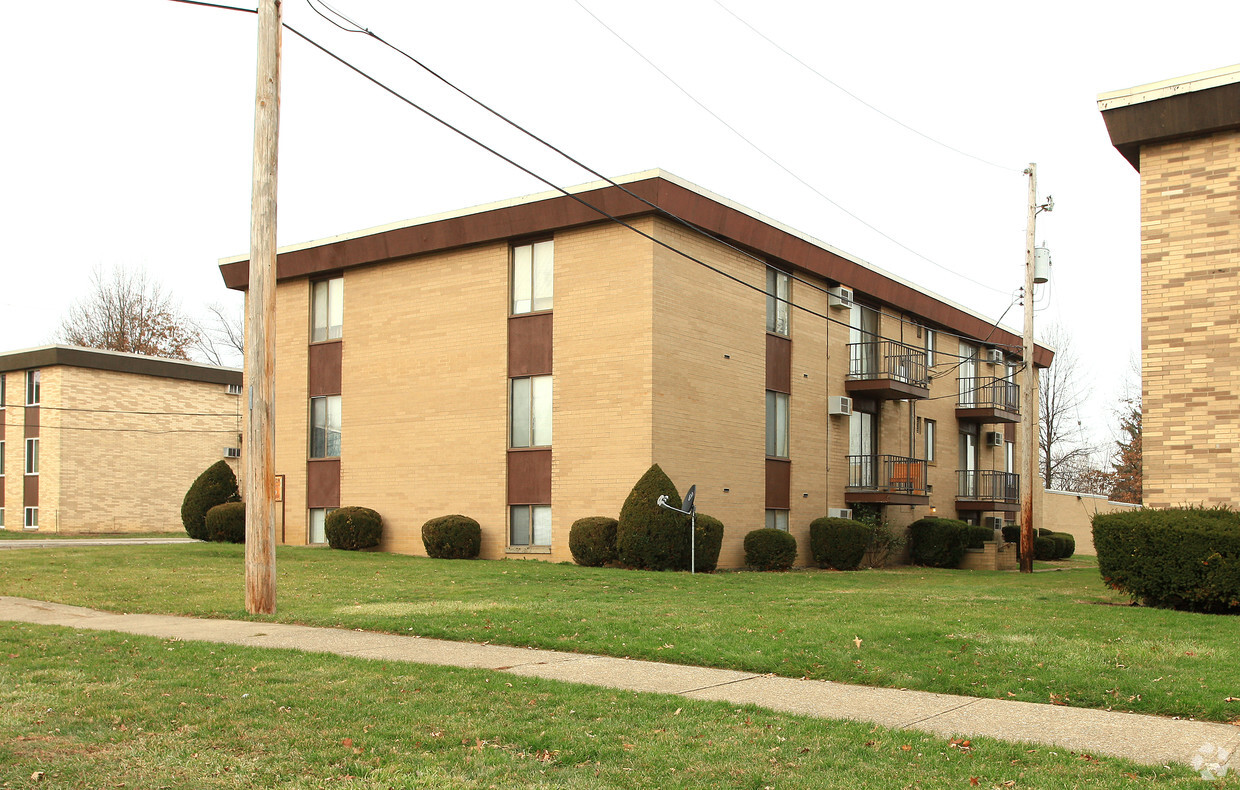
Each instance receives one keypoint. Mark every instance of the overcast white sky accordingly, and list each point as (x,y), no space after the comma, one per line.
(128,125)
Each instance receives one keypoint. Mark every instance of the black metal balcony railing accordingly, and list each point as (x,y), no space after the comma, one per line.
(890,473)
(887,359)
(985,485)
(988,392)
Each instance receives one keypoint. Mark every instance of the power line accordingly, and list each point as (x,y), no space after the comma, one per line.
(860,100)
(357,27)
(124,430)
(775,161)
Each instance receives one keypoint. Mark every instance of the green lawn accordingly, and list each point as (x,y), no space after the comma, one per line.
(1057,637)
(104,710)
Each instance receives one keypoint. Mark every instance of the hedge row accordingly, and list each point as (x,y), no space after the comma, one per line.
(1179,558)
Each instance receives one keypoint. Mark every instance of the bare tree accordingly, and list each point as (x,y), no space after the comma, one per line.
(1065,453)
(127,311)
(1126,462)
(222,340)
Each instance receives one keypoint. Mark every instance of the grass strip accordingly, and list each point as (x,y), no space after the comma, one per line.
(101,710)
(1054,637)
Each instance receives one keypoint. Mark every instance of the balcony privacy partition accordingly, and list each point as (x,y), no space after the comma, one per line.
(887,369)
(890,479)
(987,399)
(984,489)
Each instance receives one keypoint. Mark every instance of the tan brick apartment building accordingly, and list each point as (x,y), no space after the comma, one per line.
(96,440)
(1183,136)
(525,362)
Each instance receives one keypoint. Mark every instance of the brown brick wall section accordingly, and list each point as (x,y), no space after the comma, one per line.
(113,480)
(1190,343)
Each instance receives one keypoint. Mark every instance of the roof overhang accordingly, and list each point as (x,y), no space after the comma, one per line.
(99,359)
(585,205)
(1192,106)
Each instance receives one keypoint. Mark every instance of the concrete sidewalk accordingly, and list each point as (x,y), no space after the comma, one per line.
(60,543)
(1145,739)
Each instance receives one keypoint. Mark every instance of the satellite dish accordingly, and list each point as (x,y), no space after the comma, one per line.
(689,496)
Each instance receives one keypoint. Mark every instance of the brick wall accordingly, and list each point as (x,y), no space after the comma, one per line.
(1190,338)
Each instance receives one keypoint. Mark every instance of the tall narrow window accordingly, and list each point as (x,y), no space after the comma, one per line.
(931,429)
(3,393)
(777,519)
(930,342)
(325,427)
(1,460)
(533,277)
(529,525)
(327,309)
(531,412)
(776,424)
(318,524)
(32,518)
(968,374)
(778,288)
(33,379)
(1009,457)
(32,456)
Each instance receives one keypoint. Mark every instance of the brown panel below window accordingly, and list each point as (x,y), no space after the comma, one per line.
(1009,432)
(529,477)
(529,345)
(778,363)
(32,421)
(778,483)
(325,364)
(31,494)
(323,483)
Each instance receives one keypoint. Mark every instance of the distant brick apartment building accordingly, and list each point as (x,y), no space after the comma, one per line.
(98,441)
(1183,136)
(524,363)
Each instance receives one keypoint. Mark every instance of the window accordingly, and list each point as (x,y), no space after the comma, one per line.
(3,393)
(530,525)
(777,519)
(778,287)
(327,309)
(325,427)
(533,280)
(32,456)
(776,424)
(2,518)
(318,524)
(233,389)
(1009,457)
(531,412)
(930,340)
(1,458)
(32,518)
(33,378)
(931,428)
(968,375)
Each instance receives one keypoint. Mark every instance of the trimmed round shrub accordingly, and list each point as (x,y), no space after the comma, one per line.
(648,536)
(1068,547)
(353,528)
(215,486)
(770,550)
(976,536)
(708,538)
(454,537)
(226,523)
(1044,548)
(1043,532)
(592,541)
(1011,534)
(1179,558)
(838,543)
(937,542)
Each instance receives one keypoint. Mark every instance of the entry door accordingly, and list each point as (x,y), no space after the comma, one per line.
(863,330)
(863,448)
(968,374)
(968,464)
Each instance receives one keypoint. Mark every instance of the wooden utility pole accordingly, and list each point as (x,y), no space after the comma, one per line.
(260,481)
(1029,384)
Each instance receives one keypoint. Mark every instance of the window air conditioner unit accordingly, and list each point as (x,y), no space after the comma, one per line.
(839,405)
(232,452)
(839,512)
(993,522)
(840,297)
(994,356)
(233,389)
(994,438)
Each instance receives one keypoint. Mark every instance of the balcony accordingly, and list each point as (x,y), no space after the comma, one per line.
(987,399)
(887,370)
(886,479)
(983,489)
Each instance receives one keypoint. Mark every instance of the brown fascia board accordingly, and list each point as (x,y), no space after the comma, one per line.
(561,212)
(1175,117)
(95,359)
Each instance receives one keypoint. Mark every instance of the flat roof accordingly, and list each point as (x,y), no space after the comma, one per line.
(1163,88)
(117,361)
(552,210)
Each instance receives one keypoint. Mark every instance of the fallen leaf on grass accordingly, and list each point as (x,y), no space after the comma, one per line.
(906,748)
(974,781)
